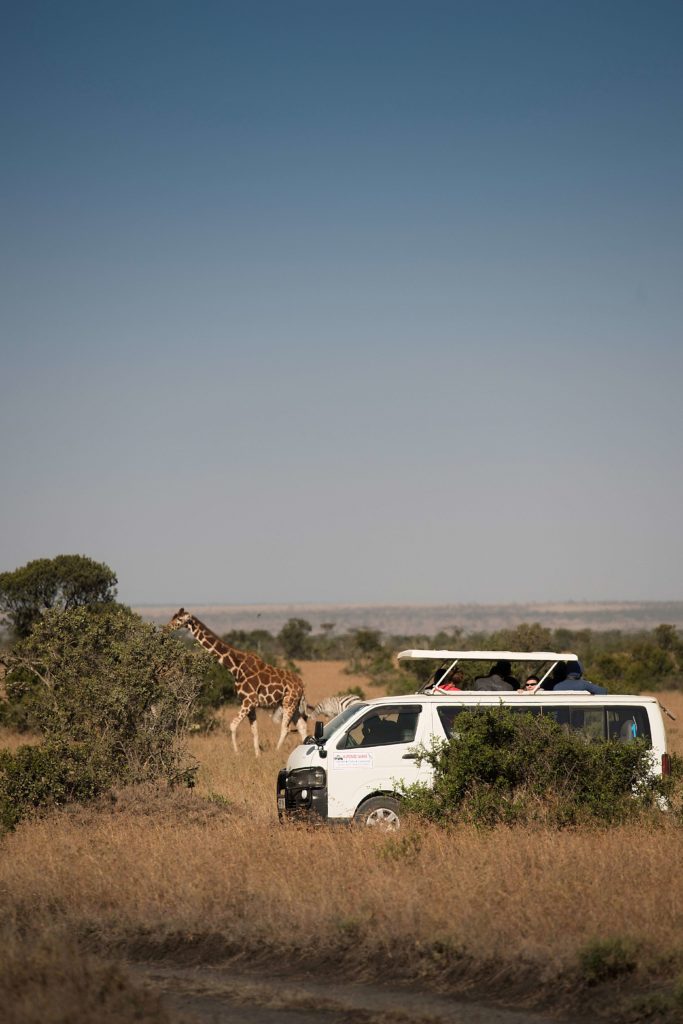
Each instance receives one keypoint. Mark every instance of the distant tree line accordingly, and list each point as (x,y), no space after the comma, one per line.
(621,661)
(626,662)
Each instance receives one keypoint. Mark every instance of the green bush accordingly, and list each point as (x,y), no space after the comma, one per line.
(217,688)
(16,709)
(110,692)
(606,959)
(506,767)
(50,775)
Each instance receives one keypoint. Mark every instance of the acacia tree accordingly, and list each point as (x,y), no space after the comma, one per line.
(64,582)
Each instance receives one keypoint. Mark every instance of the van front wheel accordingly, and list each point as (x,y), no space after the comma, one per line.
(379,812)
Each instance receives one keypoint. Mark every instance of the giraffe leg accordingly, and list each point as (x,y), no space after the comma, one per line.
(287,713)
(254,731)
(241,714)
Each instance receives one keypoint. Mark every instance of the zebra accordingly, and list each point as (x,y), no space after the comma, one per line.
(303,711)
(330,707)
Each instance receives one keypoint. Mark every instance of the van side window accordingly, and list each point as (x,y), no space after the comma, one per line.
(586,721)
(448,713)
(626,724)
(383,726)
(447,716)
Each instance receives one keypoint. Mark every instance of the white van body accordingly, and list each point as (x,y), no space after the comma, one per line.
(368,754)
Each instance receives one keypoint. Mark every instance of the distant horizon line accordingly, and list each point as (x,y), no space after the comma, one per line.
(409,604)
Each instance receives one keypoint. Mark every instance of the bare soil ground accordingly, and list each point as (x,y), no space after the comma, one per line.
(235,995)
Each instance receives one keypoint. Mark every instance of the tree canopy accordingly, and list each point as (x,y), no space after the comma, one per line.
(64,582)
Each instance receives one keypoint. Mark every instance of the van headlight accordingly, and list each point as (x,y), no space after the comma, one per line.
(307,778)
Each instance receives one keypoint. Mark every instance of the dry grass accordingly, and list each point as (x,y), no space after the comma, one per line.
(46,978)
(12,740)
(156,872)
(673,701)
(325,678)
(506,895)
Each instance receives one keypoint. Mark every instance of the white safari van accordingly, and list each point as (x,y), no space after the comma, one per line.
(355,767)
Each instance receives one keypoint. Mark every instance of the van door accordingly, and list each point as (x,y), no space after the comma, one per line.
(376,755)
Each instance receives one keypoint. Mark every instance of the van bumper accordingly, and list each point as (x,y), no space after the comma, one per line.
(295,801)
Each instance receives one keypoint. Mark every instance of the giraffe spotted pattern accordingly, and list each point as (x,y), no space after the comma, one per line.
(258,684)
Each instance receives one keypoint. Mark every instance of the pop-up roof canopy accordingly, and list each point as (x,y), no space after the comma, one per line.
(488,655)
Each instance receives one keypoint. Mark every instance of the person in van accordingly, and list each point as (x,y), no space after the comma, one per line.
(499,678)
(571,678)
(448,682)
(558,675)
(529,685)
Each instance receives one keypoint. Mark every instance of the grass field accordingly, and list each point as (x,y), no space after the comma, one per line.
(534,918)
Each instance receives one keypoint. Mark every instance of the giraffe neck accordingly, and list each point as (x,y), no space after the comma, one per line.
(228,656)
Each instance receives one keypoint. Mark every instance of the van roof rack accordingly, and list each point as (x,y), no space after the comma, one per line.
(488,655)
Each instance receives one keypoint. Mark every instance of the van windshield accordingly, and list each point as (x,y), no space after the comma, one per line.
(337,723)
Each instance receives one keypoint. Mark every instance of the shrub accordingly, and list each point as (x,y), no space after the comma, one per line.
(506,767)
(111,695)
(16,709)
(49,775)
(217,688)
(606,959)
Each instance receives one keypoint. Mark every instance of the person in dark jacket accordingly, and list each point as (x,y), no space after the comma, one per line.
(499,678)
(572,679)
(558,675)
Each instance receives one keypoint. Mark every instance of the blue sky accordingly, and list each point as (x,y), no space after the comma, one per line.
(369,302)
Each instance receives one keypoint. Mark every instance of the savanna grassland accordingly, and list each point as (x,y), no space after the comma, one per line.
(579,924)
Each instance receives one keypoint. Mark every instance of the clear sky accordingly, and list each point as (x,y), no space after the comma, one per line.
(344,301)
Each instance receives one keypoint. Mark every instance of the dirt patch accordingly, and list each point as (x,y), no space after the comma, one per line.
(233,994)
(207,978)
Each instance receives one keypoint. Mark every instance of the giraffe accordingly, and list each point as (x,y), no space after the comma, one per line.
(258,684)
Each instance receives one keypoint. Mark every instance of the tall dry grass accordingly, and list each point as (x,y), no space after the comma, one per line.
(47,978)
(502,895)
(153,872)
(178,864)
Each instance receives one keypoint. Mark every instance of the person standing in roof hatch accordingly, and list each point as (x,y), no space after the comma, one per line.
(448,682)
(499,678)
(572,679)
(558,675)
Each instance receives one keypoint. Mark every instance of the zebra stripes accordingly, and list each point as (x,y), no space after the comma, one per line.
(330,707)
(303,711)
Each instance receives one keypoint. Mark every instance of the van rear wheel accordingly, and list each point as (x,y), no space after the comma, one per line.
(379,812)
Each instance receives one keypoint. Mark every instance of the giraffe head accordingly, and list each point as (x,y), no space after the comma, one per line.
(180,619)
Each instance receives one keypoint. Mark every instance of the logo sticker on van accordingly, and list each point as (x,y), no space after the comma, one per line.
(353,759)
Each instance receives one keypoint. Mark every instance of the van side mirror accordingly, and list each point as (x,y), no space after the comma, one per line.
(318,739)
